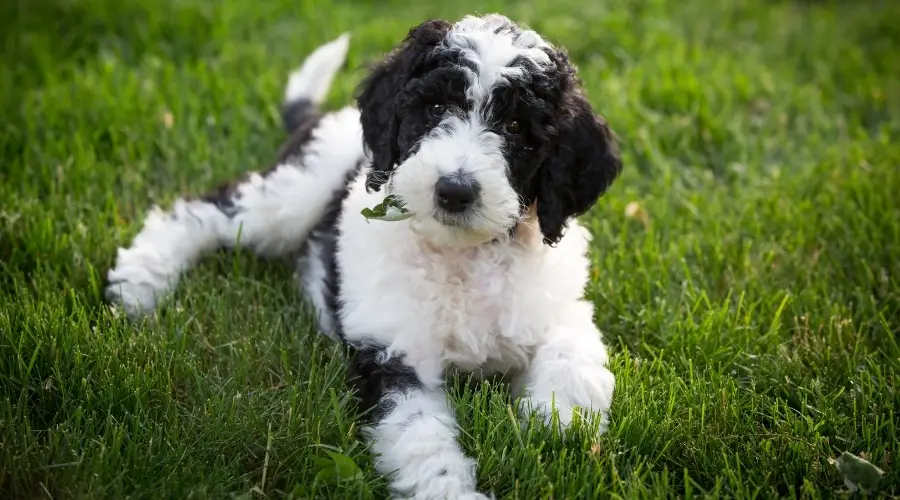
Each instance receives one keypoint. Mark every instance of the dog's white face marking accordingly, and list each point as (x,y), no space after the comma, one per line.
(464,149)
(491,45)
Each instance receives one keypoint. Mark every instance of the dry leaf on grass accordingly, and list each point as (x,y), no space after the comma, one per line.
(858,473)
(635,211)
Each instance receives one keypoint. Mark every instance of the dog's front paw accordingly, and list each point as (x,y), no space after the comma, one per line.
(558,395)
(562,416)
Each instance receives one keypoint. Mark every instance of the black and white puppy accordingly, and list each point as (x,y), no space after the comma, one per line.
(481,128)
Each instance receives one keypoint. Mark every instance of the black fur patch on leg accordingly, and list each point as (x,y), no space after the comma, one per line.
(223,198)
(373,375)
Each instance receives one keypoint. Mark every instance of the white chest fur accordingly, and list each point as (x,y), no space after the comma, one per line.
(480,309)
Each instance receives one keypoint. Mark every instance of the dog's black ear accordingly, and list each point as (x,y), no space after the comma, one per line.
(378,93)
(583,162)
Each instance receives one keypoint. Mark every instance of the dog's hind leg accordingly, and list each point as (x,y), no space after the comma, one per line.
(269,213)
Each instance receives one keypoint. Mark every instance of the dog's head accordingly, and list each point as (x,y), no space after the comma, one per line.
(472,123)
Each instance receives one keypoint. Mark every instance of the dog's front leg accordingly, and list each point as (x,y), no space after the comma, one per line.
(568,374)
(412,430)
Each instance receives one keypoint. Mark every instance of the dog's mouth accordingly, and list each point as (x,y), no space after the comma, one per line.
(449,230)
(452,220)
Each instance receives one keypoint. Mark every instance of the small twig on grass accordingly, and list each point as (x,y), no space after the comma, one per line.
(262,485)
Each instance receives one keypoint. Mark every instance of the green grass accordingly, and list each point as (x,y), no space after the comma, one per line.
(752,314)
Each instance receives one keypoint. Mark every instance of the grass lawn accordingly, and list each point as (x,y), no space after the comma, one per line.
(746,265)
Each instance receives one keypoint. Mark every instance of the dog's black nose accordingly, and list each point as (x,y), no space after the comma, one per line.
(454,193)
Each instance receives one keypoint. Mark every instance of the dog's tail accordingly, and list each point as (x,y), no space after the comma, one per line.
(308,86)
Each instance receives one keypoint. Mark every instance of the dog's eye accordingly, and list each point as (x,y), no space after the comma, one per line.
(437,110)
(513,127)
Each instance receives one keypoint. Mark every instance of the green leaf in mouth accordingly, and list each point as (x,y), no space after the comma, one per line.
(390,209)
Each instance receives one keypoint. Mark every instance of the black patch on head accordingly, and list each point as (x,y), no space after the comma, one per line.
(583,160)
(528,104)
(426,100)
(373,376)
(563,155)
(381,94)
